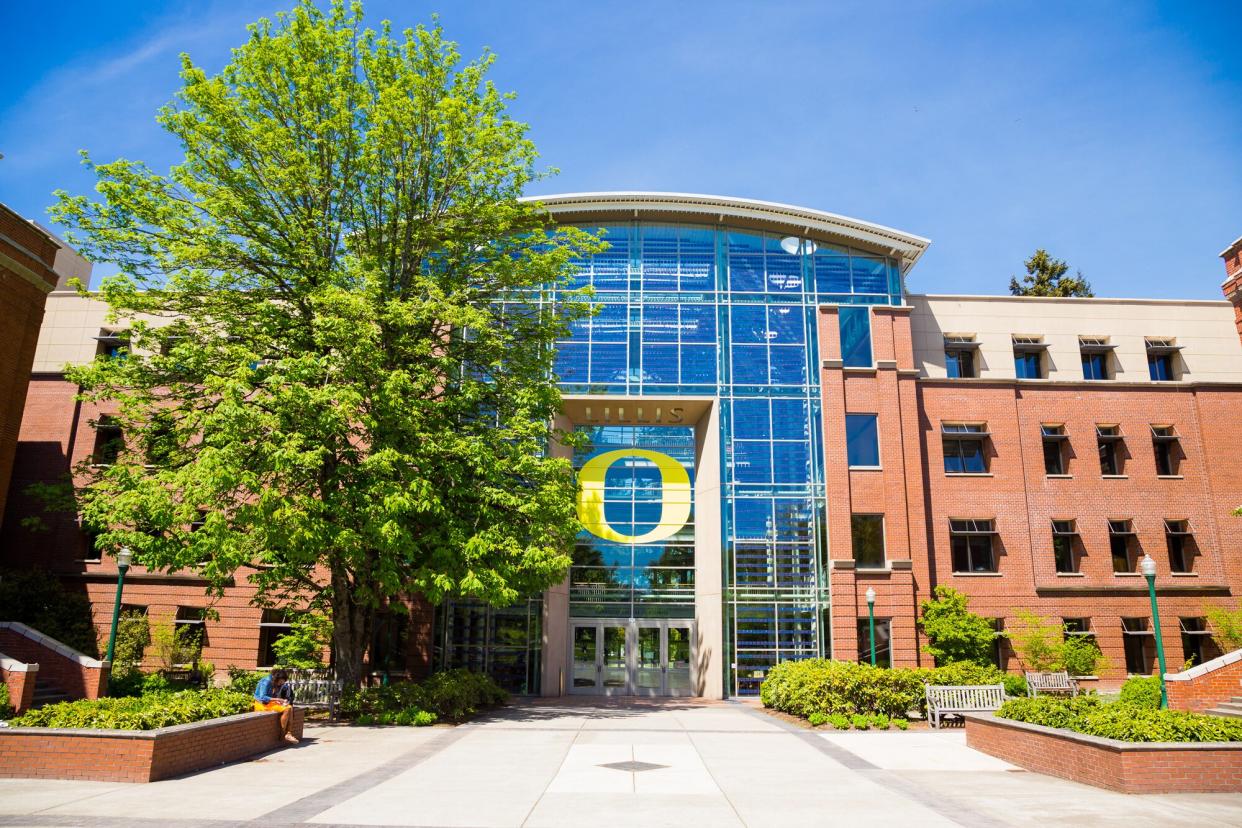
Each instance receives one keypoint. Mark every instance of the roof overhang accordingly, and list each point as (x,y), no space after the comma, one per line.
(736,212)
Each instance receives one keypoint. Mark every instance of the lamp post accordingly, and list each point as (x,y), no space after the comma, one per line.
(1148,568)
(871,621)
(122,566)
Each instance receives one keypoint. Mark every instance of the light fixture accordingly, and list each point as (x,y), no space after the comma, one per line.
(794,245)
(124,557)
(1147,566)
(870,595)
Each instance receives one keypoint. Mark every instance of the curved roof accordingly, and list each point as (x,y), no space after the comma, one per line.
(744,212)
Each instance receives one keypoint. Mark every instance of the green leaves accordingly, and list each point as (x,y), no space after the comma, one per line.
(341,321)
(1045,276)
(955,633)
(1126,721)
(138,712)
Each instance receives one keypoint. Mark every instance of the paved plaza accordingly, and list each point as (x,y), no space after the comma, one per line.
(627,763)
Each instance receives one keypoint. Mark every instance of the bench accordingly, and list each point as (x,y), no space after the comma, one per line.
(319,689)
(1037,683)
(962,698)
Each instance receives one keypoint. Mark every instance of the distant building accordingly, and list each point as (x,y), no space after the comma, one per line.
(773,426)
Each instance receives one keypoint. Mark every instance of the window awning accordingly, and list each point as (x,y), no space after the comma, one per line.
(964,430)
(1121,527)
(1105,436)
(972,526)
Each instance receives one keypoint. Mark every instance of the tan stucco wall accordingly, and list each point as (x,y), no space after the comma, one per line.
(1211,350)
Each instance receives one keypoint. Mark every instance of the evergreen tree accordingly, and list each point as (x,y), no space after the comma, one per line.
(1045,276)
(340,324)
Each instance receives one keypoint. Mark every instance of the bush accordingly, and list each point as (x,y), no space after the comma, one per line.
(955,633)
(302,647)
(1142,691)
(964,672)
(133,634)
(816,719)
(1121,720)
(138,713)
(242,680)
(1038,641)
(6,706)
(838,720)
(824,686)
(1226,626)
(454,695)
(1082,657)
(37,599)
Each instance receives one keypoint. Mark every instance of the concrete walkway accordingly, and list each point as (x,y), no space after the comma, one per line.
(619,764)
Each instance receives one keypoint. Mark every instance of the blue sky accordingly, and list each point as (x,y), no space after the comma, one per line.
(1108,132)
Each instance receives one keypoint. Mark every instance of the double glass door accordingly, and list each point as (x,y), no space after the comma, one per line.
(631,657)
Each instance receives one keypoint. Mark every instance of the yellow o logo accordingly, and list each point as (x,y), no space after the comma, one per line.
(675,500)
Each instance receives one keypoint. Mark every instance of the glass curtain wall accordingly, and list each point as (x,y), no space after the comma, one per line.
(714,311)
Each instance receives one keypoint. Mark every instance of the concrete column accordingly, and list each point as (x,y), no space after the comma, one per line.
(555,675)
(707,668)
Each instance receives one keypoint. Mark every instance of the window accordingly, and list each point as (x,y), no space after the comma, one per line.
(1108,438)
(883,642)
(1180,541)
(867,532)
(109,440)
(90,544)
(1120,542)
(963,448)
(855,337)
(273,626)
(1077,626)
(1160,359)
(193,619)
(1028,357)
(112,343)
(862,440)
(160,440)
(959,355)
(1095,351)
(1164,442)
(1054,455)
(1136,637)
(1197,644)
(970,542)
(1064,533)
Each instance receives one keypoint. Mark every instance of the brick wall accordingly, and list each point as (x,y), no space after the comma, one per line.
(26,277)
(20,679)
(80,678)
(1232,287)
(1206,685)
(1152,767)
(139,756)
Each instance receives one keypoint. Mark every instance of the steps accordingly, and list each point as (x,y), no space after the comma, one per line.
(1231,709)
(47,693)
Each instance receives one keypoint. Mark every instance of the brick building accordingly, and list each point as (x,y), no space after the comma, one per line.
(774,426)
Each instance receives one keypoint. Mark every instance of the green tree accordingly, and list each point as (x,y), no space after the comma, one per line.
(302,647)
(341,320)
(1045,276)
(1226,626)
(956,633)
(1038,641)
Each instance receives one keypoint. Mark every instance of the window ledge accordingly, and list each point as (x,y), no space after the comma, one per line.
(968,474)
(1128,574)
(866,468)
(977,574)
(1058,477)
(875,570)
(858,369)
(1114,477)
(1071,574)
(88,560)
(1184,574)
(1170,477)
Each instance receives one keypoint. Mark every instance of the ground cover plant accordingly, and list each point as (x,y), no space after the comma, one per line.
(453,695)
(1126,721)
(138,712)
(824,688)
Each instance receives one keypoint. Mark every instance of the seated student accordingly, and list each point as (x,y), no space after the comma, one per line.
(273,692)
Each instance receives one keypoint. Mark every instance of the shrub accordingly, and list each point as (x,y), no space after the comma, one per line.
(37,599)
(454,695)
(1121,720)
(956,633)
(1038,641)
(1082,657)
(881,721)
(1142,691)
(901,724)
(839,720)
(860,722)
(176,644)
(138,713)
(242,680)
(963,672)
(1226,625)
(6,706)
(133,634)
(302,647)
(816,719)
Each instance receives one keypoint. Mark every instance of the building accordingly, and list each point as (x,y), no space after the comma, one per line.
(775,426)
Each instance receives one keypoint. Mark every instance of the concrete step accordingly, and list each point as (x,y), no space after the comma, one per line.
(1228,714)
(1232,706)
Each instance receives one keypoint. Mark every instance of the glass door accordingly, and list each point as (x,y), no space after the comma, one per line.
(613,659)
(649,662)
(586,664)
(677,660)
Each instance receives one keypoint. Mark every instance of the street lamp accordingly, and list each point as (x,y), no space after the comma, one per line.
(122,566)
(1148,567)
(871,620)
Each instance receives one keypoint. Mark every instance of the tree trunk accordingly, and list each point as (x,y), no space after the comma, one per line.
(351,630)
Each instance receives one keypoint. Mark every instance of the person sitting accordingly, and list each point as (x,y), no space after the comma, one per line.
(273,692)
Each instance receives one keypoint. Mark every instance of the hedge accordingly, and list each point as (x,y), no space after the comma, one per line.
(823,688)
(455,695)
(138,713)
(1124,721)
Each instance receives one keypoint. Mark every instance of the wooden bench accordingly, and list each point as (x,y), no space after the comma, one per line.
(1037,683)
(319,689)
(962,698)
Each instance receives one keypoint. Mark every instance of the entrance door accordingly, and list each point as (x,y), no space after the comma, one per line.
(631,657)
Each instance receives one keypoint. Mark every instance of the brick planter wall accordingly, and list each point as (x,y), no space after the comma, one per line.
(138,755)
(1128,767)
(1206,685)
(20,679)
(78,675)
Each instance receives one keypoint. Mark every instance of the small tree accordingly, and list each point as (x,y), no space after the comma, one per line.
(1226,627)
(302,647)
(1082,657)
(956,633)
(1038,641)
(1045,276)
